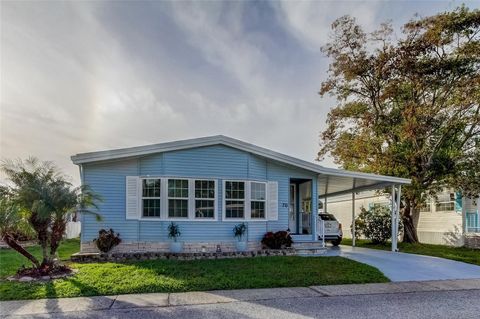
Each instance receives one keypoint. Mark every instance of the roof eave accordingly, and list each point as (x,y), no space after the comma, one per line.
(227,141)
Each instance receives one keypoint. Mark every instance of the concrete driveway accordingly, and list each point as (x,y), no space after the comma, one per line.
(408,267)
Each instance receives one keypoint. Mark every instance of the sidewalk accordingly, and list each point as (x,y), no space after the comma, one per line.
(44,306)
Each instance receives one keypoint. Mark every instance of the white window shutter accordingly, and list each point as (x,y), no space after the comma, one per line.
(132,206)
(272,208)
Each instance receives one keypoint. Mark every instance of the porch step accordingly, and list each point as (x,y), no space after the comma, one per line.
(307,244)
(310,249)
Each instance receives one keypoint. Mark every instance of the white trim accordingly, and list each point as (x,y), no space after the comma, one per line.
(264,201)
(224,200)
(227,141)
(141,198)
(247,201)
(215,200)
(164,199)
(188,199)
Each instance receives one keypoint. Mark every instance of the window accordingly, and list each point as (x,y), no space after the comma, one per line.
(426,208)
(178,198)
(234,199)
(151,198)
(445,206)
(204,199)
(257,199)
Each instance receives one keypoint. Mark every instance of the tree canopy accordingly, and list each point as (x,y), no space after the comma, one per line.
(408,105)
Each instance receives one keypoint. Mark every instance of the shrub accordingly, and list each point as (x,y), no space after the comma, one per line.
(107,240)
(277,240)
(173,231)
(375,224)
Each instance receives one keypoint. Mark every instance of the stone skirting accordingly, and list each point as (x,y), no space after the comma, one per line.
(139,256)
(188,247)
(472,240)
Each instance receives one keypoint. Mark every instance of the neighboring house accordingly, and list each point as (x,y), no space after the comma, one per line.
(207,186)
(440,220)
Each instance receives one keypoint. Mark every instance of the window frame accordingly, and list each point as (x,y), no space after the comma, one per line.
(215,200)
(445,210)
(160,198)
(168,198)
(224,200)
(423,208)
(247,216)
(264,201)
(164,199)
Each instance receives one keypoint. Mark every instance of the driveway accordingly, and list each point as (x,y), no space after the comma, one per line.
(408,267)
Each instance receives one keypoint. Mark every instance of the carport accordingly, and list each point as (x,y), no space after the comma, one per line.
(335,182)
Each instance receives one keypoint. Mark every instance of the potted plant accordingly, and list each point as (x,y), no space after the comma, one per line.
(174,232)
(238,231)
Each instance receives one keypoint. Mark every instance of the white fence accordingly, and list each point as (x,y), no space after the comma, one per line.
(73,229)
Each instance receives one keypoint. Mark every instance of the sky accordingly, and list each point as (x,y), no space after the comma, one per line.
(86,76)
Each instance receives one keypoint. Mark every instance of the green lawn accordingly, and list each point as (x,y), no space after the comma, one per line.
(468,255)
(176,276)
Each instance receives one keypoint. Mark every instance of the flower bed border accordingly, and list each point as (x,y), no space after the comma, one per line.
(139,256)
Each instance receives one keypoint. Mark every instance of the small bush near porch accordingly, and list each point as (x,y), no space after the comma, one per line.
(177,276)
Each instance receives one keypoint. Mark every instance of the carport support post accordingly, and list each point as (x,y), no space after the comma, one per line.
(396,195)
(353,219)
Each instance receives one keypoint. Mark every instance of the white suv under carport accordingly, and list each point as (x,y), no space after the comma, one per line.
(333,229)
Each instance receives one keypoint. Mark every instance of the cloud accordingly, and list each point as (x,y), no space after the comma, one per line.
(310,21)
(85,76)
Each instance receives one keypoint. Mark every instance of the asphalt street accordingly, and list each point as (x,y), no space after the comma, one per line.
(431,304)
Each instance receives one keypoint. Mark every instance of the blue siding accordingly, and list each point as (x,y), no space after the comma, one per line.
(257,167)
(152,165)
(218,161)
(108,179)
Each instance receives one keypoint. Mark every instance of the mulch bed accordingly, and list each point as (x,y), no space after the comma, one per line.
(42,274)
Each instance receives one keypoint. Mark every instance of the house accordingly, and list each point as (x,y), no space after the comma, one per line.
(207,186)
(441,220)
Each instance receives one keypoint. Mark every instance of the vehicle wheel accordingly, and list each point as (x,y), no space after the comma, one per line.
(336,242)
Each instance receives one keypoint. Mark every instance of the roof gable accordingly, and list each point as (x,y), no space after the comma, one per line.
(230,142)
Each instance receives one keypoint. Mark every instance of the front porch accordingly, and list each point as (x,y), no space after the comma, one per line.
(307,197)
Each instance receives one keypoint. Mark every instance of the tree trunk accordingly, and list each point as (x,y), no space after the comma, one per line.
(58,229)
(409,227)
(12,243)
(40,225)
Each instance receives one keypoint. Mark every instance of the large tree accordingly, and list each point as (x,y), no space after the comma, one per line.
(407,105)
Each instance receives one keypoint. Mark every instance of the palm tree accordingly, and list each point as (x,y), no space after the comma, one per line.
(49,197)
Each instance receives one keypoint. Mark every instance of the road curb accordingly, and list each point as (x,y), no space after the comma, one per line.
(149,300)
